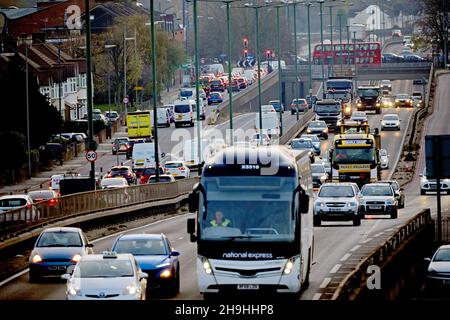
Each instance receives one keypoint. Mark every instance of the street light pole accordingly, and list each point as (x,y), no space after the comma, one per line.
(154,88)
(445,25)
(230,92)
(323,50)
(60,97)
(28,111)
(125,71)
(197,97)
(331,32)
(309,53)
(348,44)
(89,87)
(259,69)
(297,89)
(340,39)
(280,86)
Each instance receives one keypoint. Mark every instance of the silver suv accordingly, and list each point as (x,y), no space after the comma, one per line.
(337,202)
(378,198)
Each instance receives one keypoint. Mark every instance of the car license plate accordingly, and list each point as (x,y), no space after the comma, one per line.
(174,174)
(57,268)
(180,116)
(375,207)
(248,286)
(335,209)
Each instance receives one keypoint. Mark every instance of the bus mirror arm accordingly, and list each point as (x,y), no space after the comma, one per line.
(303,200)
(191,229)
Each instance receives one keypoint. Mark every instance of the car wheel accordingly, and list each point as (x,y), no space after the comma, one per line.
(394,215)
(357,221)
(401,205)
(317,222)
(423,192)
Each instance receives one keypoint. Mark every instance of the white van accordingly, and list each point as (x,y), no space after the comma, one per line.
(184,112)
(163,117)
(270,123)
(143,156)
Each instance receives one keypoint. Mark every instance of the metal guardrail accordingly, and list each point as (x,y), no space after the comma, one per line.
(355,280)
(21,220)
(297,127)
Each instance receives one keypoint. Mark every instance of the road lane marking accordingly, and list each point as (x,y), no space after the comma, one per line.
(355,248)
(335,268)
(14,277)
(180,238)
(366,240)
(378,234)
(317,296)
(324,283)
(346,256)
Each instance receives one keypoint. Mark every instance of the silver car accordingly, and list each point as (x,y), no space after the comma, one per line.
(427,184)
(438,272)
(337,202)
(390,121)
(384,159)
(107,276)
(379,199)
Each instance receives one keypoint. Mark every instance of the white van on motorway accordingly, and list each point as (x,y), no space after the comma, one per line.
(184,112)
(163,117)
(143,156)
(270,123)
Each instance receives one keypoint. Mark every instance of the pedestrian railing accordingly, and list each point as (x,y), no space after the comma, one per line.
(20,220)
(355,280)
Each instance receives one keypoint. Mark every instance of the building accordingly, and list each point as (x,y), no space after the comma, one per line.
(372,17)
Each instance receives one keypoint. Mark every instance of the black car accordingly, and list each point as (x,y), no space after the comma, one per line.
(122,171)
(391,58)
(122,145)
(420,81)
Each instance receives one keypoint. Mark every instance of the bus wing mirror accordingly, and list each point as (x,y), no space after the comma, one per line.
(193,201)
(191,229)
(304,202)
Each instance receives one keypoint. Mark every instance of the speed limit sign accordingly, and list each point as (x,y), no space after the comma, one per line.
(91,156)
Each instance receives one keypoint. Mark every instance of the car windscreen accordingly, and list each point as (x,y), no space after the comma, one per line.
(173,165)
(442,255)
(182,108)
(41,195)
(339,85)
(60,239)
(336,191)
(328,108)
(390,117)
(402,96)
(141,246)
(106,268)
(317,169)
(214,95)
(161,179)
(151,171)
(186,93)
(368,93)
(15,202)
(317,125)
(376,190)
(301,144)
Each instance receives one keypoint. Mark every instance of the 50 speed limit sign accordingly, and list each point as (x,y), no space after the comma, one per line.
(91,156)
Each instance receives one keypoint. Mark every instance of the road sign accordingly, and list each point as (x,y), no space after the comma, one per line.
(91,156)
(138,88)
(125,100)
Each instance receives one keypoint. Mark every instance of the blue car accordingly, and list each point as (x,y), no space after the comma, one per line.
(55,250)
(155,257)
(215,97)
(315,141)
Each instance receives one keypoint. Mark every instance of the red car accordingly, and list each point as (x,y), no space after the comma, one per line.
(147,172)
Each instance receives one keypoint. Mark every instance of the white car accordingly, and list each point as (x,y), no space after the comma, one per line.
(267,108)
(438,272)
(110,183)
(390,121)
(178,169)
(260,140)
(386,85)
(384,159)
(379,199)
(337,202)
(427,184)
(162,178)
(107,276)
(359,116)
(27,213)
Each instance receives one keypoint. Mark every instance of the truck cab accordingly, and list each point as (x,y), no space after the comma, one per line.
(328,110)
(369,98)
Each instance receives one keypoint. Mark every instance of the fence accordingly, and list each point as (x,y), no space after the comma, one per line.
(21,220)
(351,285)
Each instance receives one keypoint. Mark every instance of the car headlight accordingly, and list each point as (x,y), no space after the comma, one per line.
(390,202)
(289,266)
(309,130)
(72,291)
(206,266)
(320,204)
(383,123)
(359,104)
(130,290)
(396,100)
(378,104)
(325,130)
(36,258)
(166,274)
(76,258)
(351,204)
(431,272)
(323,178)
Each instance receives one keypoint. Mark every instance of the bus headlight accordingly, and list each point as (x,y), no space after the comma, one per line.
(206,266)
(289,266)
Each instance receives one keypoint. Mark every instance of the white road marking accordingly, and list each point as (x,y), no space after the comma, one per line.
(346,256)
(317,296)
(378,234)
(180,238)
(324,283)
(335,268)
(366,240)
(355,248)
(14,277)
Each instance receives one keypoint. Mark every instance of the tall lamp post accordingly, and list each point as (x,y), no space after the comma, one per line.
(280,86)
(154,88)
(297,89)
(230,92)
(197,97)
(125,39)
(28,111)
(323,50)
(308,5)
(89,86)
(340,40)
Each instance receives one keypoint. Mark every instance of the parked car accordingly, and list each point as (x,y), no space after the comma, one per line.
(28,211)
(299,105)
(384,159)
(107,276)
(162,178)
(428,184)
(438,269)
(399,192)
(55,250)
(379,199)
(178,169)
(44,195)
(155,256)
(319,128)
(147,173)
(390,121)
(337,202)
(111,183)
(122,171)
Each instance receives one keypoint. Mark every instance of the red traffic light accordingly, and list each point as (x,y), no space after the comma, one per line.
(245,42)
(245,52)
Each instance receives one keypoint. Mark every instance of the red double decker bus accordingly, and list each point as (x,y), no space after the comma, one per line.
(340,53)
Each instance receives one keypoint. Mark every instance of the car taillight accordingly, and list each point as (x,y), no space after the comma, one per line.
(52,202)
(129,173)
(182,168)
(29,205)
(109,175)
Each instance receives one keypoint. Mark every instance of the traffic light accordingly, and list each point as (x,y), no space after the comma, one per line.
(268,54)
(245,42)
(245,53)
